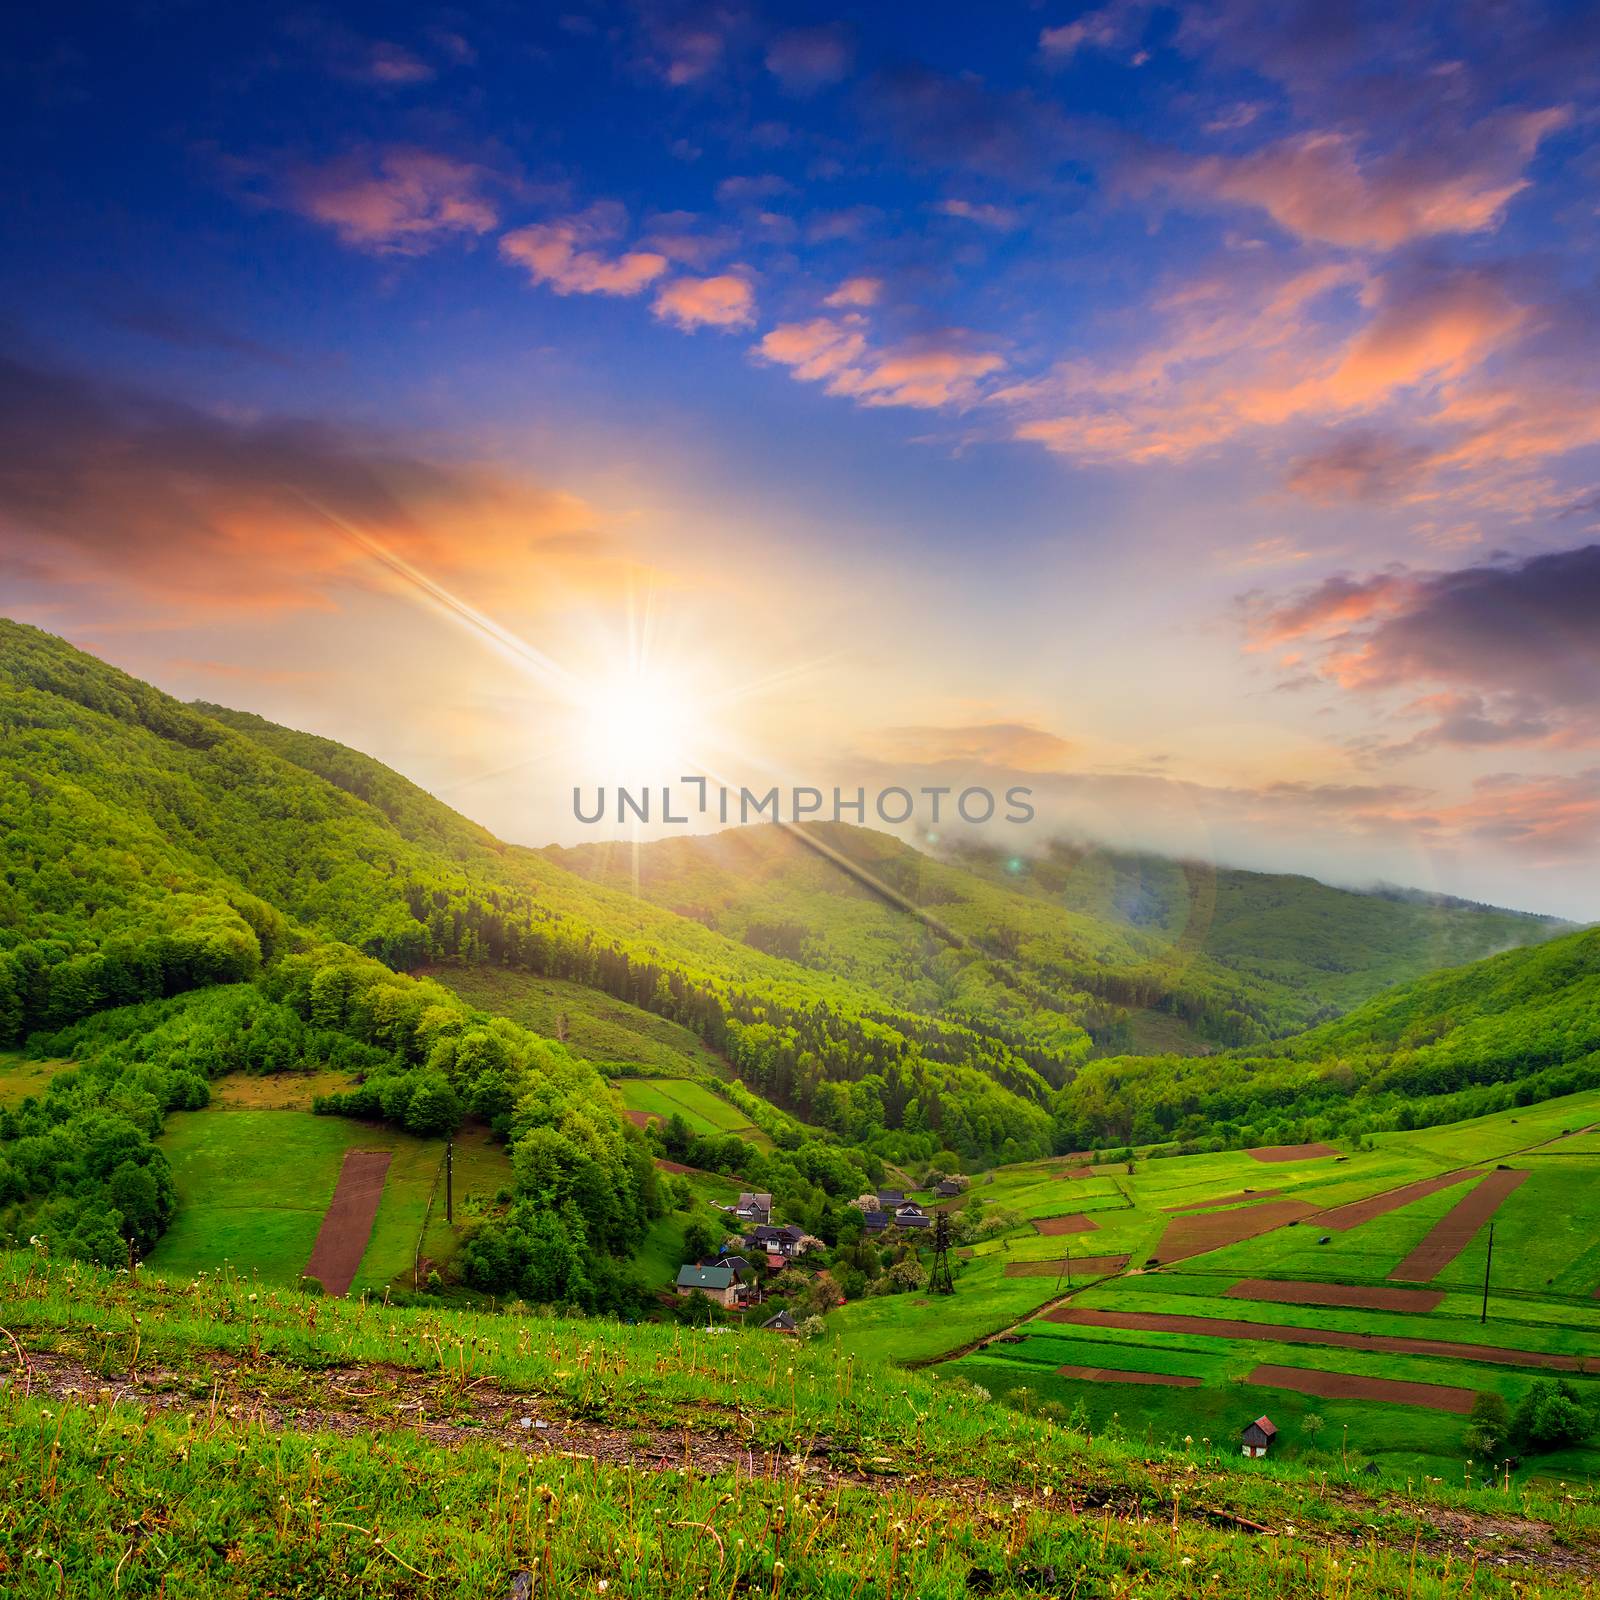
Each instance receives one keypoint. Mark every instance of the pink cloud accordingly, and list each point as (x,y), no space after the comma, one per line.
(1001,218)
(856,292)
(397,201)
(570,256)
(805,60)
(1317,186)
(934,371)
(724,301)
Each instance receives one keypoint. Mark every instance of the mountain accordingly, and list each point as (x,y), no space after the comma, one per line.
(1136,951)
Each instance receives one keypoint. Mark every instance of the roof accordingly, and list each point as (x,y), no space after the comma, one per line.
(1265,1424)
(782,1323)
(909,1207)
(913,1219)
(786,1231)
(692,1277)
(879,1219)
(762,1200)
(891,1196)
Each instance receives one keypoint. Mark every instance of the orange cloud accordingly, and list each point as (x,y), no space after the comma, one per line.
(936,370)
(1002,744)
(725,301)
(1317,187)
(208,511)
(856,292)
(399,201)
(568,254)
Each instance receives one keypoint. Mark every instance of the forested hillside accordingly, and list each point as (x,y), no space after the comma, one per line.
(1321,949)
(1519,1027)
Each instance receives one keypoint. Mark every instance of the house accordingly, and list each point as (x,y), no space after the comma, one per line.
(779,1243)
(877,1221)
(1259,1436)
(906,1209)
(888,1199)
(754,1208)
(715,1283)
(912,1217)
(949,1188)
(782,1323)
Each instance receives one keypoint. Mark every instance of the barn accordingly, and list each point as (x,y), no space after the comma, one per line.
(1258,1436)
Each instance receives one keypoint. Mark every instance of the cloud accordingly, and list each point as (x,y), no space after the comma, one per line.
(804,60)
(936,370)
(856,292)
(399,200)
(1318,186)
(570,254)
(684,238)
(1359,464)
(686,44)
(1109,27)
(1003,744)
(748,191)
(1001,218)
(1507,652)
(218,514)
(725,301)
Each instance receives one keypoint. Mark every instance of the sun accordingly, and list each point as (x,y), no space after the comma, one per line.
(640,726)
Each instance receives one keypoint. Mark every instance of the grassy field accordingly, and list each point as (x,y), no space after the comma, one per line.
(268,1443)
(21,1077)
(253,1185)
(703,1109)
(1546,1269)
(610,1033)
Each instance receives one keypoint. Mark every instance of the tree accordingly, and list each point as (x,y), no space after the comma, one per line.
(699,1239)
(1311,1425)
(434,1107)
(1488,1427)
(1551,1416)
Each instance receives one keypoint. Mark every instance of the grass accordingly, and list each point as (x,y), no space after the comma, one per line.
(279,1462)
(705,1111)
(608,1032)
(253,1186)
(21,1077)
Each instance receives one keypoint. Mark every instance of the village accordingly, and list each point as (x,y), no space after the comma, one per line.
(763,1261)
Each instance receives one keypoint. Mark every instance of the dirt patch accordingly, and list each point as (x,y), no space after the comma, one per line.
(1338,1338)
(1454,1231)
(1078,1172)
(1200,1231)
(643,1119)
(1075,1222)
(1347,1386)
(1291,1152)
(1082,1267)
(1165,1380)
(347,1223)
(1362,1297)
(1380,1205)
(1243,1196)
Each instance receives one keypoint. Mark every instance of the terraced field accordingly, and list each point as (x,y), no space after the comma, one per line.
(1340,1292)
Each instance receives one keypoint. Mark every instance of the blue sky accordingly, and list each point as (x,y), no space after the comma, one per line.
(1188,407)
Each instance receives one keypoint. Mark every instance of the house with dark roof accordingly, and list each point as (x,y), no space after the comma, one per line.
(888,1199)
(877,1221)
(782,1323)
(720,1284)
(753,1208)
(912,1217)
(779,1242)
(1258,1436)
(949,1188)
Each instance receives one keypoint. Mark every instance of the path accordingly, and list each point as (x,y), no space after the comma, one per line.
(347,1223)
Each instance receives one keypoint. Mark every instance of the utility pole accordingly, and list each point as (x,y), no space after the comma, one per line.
(1488,1260)
(449,1180)
(941,1280)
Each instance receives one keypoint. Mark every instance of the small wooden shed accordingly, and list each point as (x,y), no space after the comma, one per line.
(1258,1436)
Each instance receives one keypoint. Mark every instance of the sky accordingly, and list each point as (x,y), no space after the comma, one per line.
(1188,412)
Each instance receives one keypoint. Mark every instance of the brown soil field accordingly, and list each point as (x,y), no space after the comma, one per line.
(1082,1266)
(1380,1205)
(1278,1333)
(1225,1200)
(1078,1172)
(1362,1296)
(1291,1152)
(1199,1231)
(1454,1231)
(347,1223)
(1075,1222)
(643,1119)
(1166,1380)
(1346,1386)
